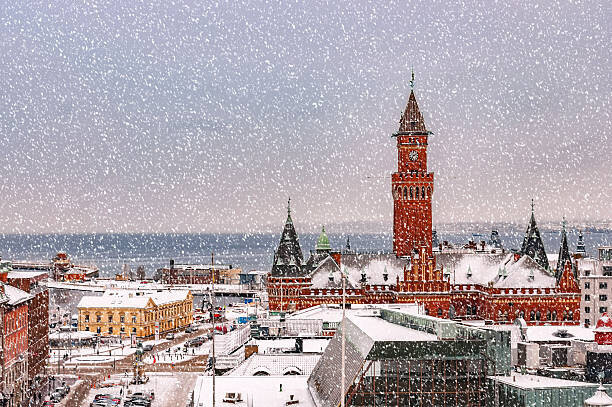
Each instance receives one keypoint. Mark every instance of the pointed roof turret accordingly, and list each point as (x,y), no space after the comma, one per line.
(532,242)
(600,398)
(564,255)
(323,242)
(412,119)
(288,259)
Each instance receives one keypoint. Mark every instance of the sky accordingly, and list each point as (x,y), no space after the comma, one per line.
(197,116)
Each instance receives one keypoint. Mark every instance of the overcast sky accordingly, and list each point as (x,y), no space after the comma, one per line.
(191,117)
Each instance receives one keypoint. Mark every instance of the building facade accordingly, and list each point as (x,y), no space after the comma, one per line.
(15,391)
(596,286)
(198,274)
(34,283)
(395,358)
(123,312)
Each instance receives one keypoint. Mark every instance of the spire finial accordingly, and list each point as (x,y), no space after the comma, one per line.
(289,206)
(532,205)
(564,223)
(412,80)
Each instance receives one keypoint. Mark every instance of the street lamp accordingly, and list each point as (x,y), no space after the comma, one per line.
(343,272)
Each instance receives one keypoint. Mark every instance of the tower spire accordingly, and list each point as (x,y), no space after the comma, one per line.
(289,220)
(532,242)
(412,80)
(564,254)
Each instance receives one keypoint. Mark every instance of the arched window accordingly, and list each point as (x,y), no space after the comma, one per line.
(532,315)
(538,315)
(406,193)
(439,312)
(422,192)
(428,192)
(548,315)
(411,195)
(554,315)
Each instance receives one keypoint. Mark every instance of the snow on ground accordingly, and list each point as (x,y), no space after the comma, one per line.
(104,354)
(177,354)
(171,389)
(269,391)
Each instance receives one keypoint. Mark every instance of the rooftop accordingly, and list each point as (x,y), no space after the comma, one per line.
(526,381)
(379,329)
(333,312)
(258,390)
(132,298)
(15,295)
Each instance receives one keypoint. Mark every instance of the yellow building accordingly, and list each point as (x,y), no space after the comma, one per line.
(123,312)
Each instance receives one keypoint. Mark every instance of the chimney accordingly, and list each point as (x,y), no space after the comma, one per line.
(171,264)
(517,256)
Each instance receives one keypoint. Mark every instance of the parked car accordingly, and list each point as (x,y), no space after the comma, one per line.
(189,330)
(48,403)
(170,336)
(147,348)
(56,397)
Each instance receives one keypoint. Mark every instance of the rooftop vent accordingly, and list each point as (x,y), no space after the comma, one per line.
(562,333)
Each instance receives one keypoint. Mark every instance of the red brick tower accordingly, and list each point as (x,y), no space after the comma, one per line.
(412,185)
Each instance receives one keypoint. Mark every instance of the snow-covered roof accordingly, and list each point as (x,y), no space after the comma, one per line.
(499,269)
(132,299)
(15,295)
(333,312)
(374,266)
(379,329)
(545,333)
(27,274)
(600,398)
(259,390)
(526,381)
(276,365)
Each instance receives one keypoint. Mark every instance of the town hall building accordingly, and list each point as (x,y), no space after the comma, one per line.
(477,281)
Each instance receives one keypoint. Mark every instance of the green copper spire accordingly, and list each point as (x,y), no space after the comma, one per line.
(323,242)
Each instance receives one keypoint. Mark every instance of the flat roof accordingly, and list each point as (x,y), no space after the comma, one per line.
(259,390)
(382,330)
(527,381)
(26,274)
(333,312)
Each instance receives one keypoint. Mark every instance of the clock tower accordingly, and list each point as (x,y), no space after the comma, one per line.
(412,185)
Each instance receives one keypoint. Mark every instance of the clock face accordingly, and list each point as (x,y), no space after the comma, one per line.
(413,155)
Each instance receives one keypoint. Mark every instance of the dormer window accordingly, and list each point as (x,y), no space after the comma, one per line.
(363,277)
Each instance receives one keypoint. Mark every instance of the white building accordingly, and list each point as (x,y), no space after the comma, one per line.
(596,286)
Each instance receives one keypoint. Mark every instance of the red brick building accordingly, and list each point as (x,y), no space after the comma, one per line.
(473,282)
(14,344)
(38,327)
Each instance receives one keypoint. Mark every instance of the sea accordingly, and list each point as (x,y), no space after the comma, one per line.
(110,251)
(255,251)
